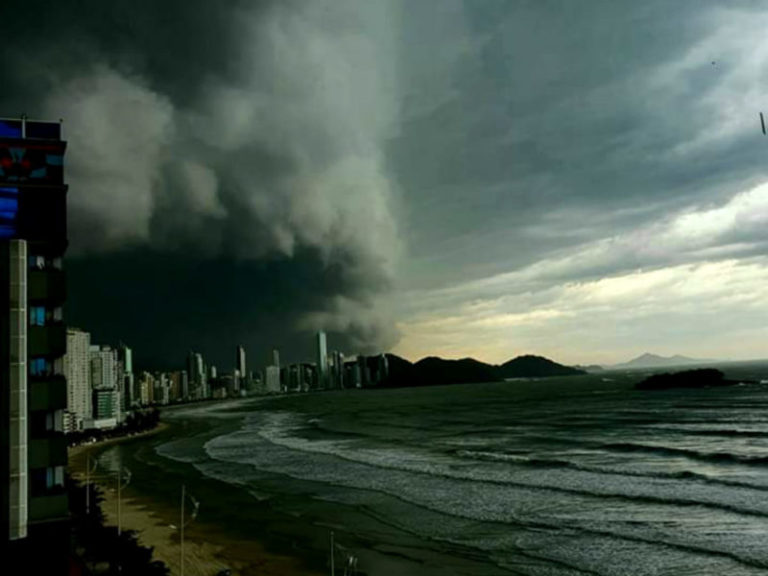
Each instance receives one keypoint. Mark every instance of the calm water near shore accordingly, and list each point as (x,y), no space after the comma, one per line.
(581,475)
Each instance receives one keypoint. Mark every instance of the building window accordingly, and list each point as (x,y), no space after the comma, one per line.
(46,479)
(40,367)
(43,263)
(44,423)
(37,315)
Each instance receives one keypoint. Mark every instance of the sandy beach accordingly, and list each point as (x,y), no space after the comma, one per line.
(207,550)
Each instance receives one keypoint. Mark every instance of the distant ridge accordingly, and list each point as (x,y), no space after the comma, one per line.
(648,360)
(535,367)
(432,371)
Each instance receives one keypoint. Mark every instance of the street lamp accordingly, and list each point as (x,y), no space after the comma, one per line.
(88,472)
(183,523)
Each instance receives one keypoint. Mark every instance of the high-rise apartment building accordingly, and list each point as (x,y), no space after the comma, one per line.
(33,340)
(322,360)
(125,357)
(272,376)
(198,381)
(77,369)
(105,381)
(240,361)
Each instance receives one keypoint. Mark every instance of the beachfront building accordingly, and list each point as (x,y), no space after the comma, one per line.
(105,382)
(33,341)
(125,357)
(184,386)
(240,374)
(273,380)
(322,360)
(162,389)
(352,374)
(77,369)
(198,379)
(146,388)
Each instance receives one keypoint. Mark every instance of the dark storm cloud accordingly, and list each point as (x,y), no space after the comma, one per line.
(163,305)
(210,142)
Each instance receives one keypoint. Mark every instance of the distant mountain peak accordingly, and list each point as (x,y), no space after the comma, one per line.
(649,360)
(433,370)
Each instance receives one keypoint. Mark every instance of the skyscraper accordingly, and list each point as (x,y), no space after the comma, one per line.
(276,357)
(33,340)
(273,379)
(125,357)
(240,375)
(105,377)
(240,361)
(322,360)
(184,386)
(77,369)
(197,376)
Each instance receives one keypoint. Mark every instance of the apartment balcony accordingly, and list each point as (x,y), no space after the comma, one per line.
(50,341)
(48,507)
(49,286)
(47,452)
(48,393)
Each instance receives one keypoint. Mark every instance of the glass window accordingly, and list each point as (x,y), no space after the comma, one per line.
(37,316)
(39,367)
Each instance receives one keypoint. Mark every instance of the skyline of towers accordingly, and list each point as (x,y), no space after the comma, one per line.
(110,401)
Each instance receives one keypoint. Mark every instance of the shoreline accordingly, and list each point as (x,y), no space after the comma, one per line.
(207,547)
(76,451)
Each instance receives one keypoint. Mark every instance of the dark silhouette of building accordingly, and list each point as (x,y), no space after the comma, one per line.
(33,340)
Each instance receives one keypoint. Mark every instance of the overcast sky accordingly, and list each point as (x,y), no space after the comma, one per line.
(582,180)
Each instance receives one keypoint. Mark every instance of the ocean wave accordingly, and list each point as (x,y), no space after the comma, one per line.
(279,429)
(717,457)
(613,471)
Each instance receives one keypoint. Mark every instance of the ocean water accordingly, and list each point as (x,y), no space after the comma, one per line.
(568,476)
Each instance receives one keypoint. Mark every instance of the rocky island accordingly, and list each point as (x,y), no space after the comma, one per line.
(701,378)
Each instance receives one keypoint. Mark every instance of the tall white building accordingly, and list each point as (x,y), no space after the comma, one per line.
(77,369)
(322,360)
(198,379)
(240,361)
(273,379)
